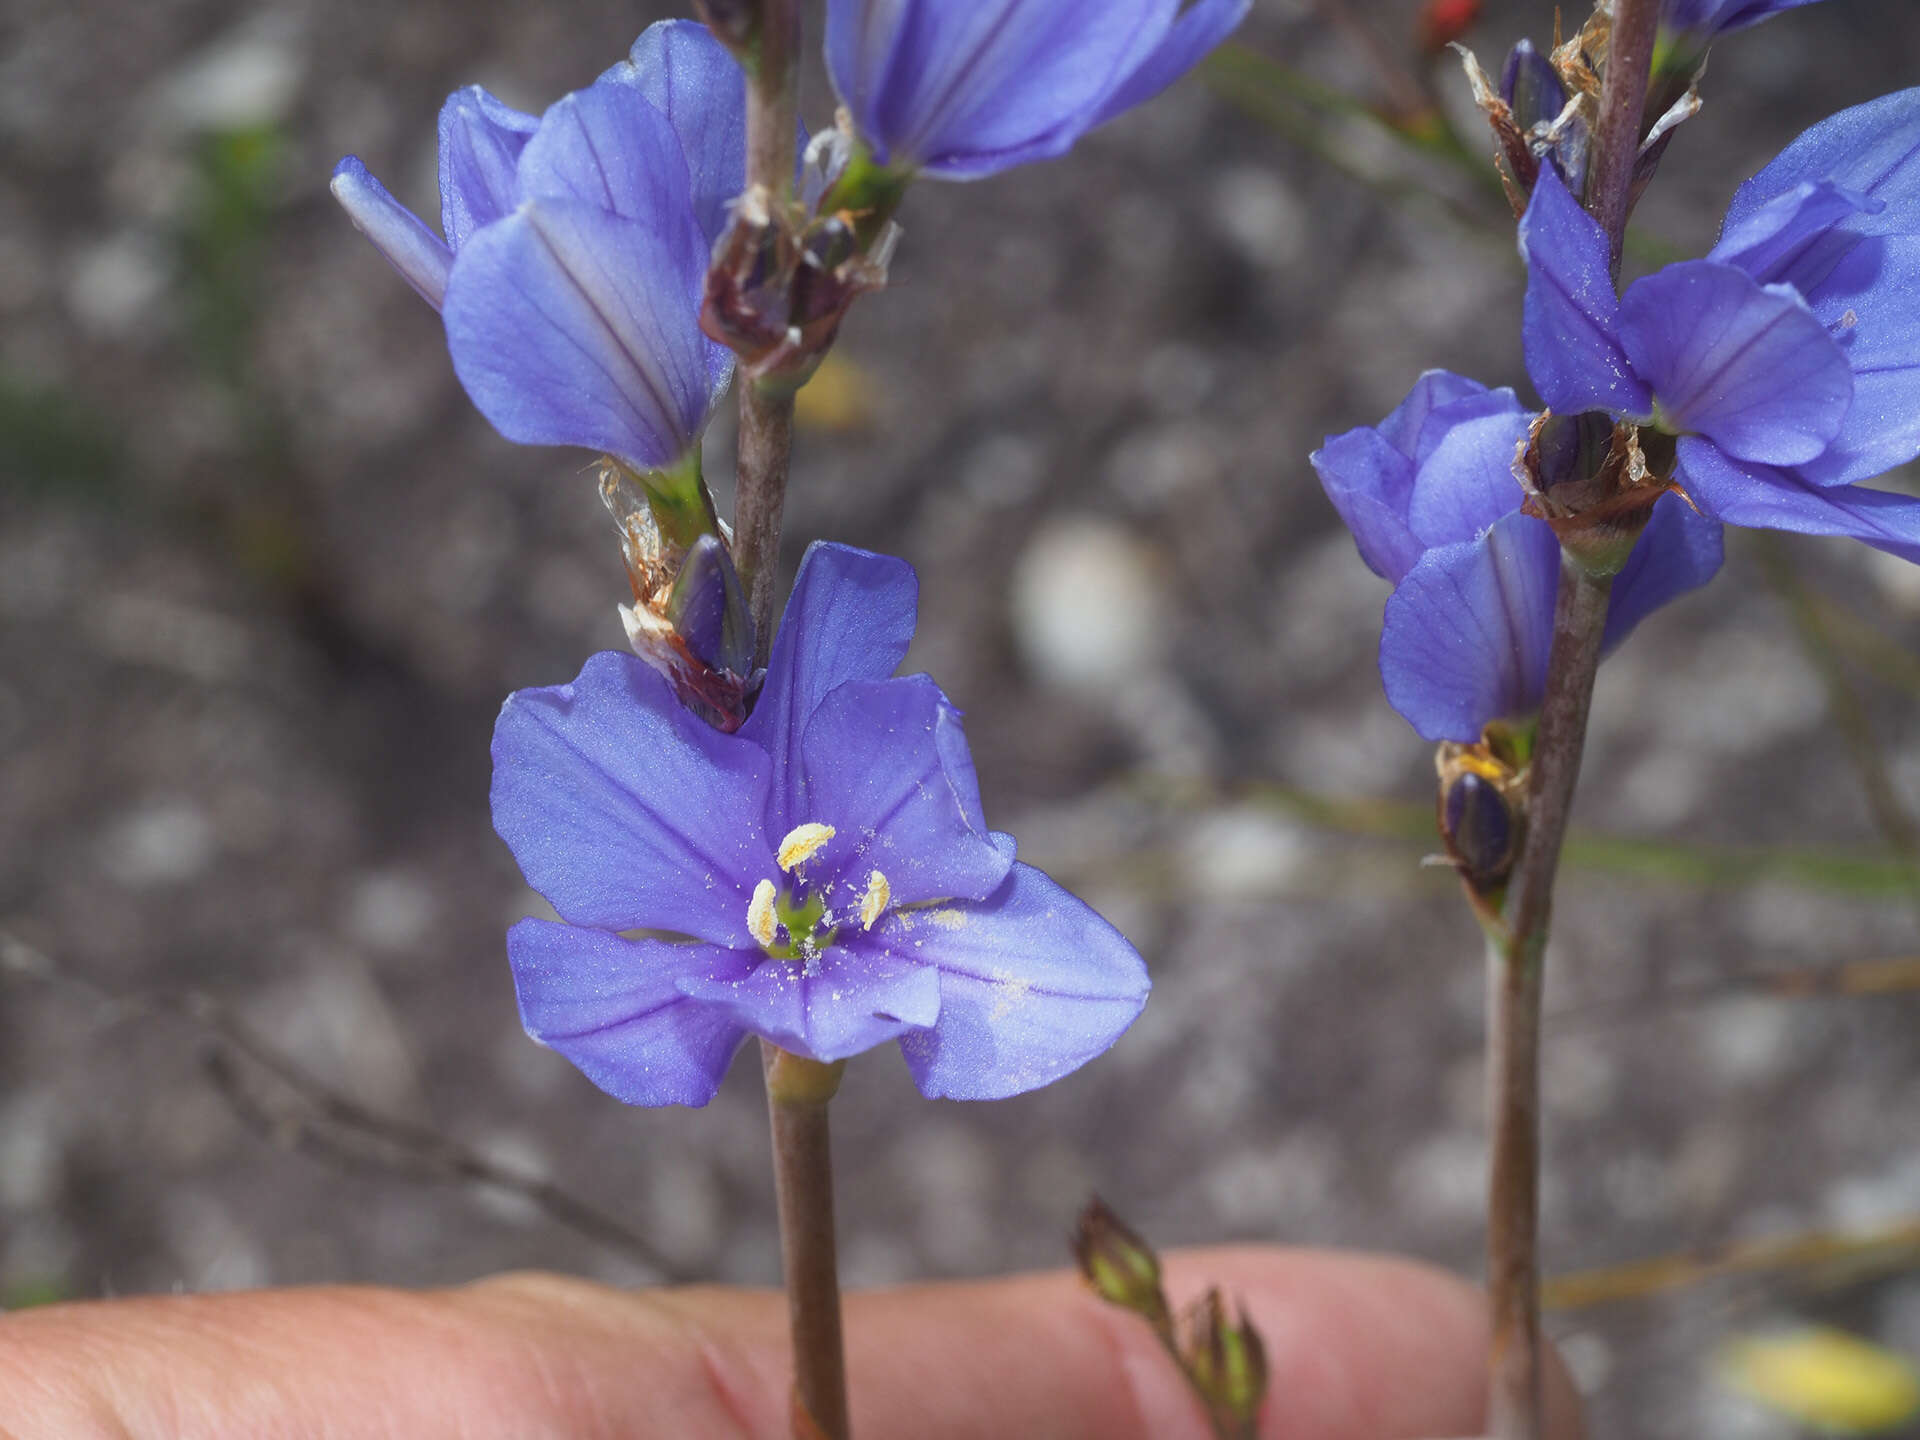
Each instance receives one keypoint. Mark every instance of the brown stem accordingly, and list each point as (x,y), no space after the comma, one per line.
(1518,937)
(797,1094)
(798,1090)
(1623,93)
(766,414)
(1513,1261)
(1516,949)
(760,498)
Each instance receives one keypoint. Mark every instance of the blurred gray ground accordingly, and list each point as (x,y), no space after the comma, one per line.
(265,577)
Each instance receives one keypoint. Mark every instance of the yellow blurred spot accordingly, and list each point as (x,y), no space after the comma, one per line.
(838,400)
(803,842)
(1824,1378)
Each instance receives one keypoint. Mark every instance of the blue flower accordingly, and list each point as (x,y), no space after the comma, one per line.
(1432,502)
(966,88)
(576,248)
(1700,21)
(1786,364)
(826,872)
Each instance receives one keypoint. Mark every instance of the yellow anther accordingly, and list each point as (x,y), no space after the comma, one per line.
(803,842)
(760,919)
(875,900)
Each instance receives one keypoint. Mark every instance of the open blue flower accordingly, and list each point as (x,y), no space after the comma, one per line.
(576,248)
(966,88)
(827,866)
(1787,362)
(1432,502)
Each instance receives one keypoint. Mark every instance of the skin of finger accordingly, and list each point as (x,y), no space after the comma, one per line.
(1360,1348)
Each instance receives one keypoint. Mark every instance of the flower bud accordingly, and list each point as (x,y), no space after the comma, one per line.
(1227,1363)
(1119,1265)
(689,617)
(1482,812)
(1531,87)
(707,608)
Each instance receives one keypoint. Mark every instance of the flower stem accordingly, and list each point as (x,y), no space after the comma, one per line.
(797,1094)
(766,411)
(760,498)
(1623,94)
(798,1089)
(1515,952)
(1517,938)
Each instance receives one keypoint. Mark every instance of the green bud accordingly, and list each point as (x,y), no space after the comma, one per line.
(1119,1265)
(1227,1363)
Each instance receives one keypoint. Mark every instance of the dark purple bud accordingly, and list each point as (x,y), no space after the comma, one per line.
(1480,829)
(708,608)
(1531,87)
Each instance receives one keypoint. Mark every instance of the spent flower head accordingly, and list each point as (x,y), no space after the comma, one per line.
(823,877)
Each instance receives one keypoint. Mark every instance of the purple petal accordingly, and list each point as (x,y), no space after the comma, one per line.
(572,326)
(850,999)
(605,146)
(1571,318)
(850,617)
(1370,483)
(966,90)
(1797,237)
(1434,391)
(1466,483)
(625,810)
(420,256)
(480,144)
(1203,26)
(1749,367)
(689,77)
(1868,303)
(1677,552)
(887,766)
(1708,18)
(1466,635)
(1767,498)
(1033,984)
(1871,149)
(614,1008)
(1369,473)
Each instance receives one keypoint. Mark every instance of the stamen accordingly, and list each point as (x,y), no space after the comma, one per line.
(760,920)
(874,902)
(803,842)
